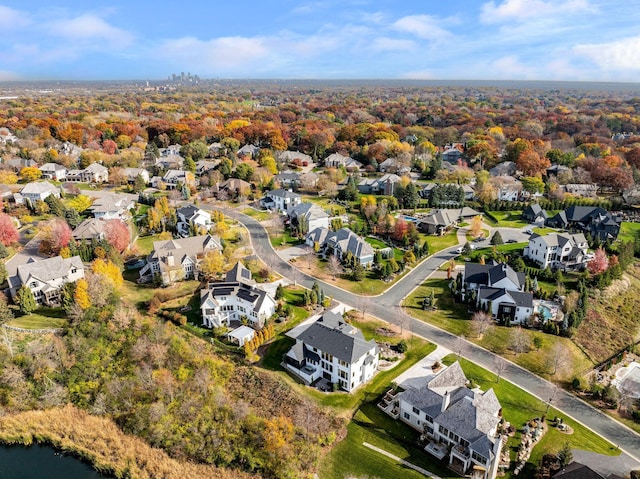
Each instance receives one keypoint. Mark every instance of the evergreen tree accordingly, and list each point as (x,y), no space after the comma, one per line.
(279,292)
(496,239)
(26,301)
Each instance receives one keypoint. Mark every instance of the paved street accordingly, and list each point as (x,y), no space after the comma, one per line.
(387,307)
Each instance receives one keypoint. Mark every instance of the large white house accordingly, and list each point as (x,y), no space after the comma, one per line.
(458,421)
(190,216)
(558,251)
(94,173)
(53,171)
(45,278)
(308,216)
(39,190)
(332,349)
(340,243)
(498,289)
(281,200)
(234,299)
(178,259)
(113,206)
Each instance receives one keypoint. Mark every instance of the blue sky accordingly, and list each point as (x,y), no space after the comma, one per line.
(592,40)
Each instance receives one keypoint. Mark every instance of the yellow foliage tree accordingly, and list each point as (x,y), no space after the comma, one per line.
(278,434)
(476,226)
(8,177)
(108,270)
(30,173)
(212,264)
(80,203)
(81,295)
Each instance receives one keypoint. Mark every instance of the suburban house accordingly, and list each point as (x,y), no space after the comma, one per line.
(281,200)
(287,179)
(452,154)
(94,173)
(205,166)
(89,229)
(584,190)
(295,157)
(131,174)
(235,299)
(178,259)
(53,171)
(308,216)
(45,278)
(69,149)
(216,149)
(174,177)
(394,165)
(336,160)
(593,220)
(248,150)
(333,350)
(459,422)
(438,222)
(340,243)
(506,168)
(507,188)
(232,188)
(576,470)
(468,193)
(558,251)
(498,289)
(534,214)
(384,185)
(115,206)
(39,190)
(16,164)
(190,216)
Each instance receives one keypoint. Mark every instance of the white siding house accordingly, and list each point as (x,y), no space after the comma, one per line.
(558,250)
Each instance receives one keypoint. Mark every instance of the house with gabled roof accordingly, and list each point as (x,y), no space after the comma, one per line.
(534,214)
(498,289)
(340,243)
(46,277)
(385,185)
(563,251)
(309,216)
(115,206)
(295,157)
(336,160)
(333,350)
(438,222)
(178,259)
(53,171)
(231,189)
(281,200)
(234,299)
(174,177)
(39,191)
(192,217)
(594,220)
(248,150)
(131,174)
(94,173)
(90,229)
(459,422)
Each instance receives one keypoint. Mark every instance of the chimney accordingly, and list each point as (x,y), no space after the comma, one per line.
(171,260)
(445,401)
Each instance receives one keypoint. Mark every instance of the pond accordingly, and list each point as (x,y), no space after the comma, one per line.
(37,461)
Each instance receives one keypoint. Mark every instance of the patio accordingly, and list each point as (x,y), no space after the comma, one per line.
(437,449)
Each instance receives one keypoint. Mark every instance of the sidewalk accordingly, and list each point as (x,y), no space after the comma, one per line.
(416,375)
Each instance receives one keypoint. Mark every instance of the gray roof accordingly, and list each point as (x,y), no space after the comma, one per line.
(39,187)
(282,193)
(239,273)
(347,240)
(307,210)
(330,334)
(238,282)
(96,168)
(294,155)
(112,202)
(89,229)
(191,247)
(520,299)
(48,269)
(489,274)
(52,167)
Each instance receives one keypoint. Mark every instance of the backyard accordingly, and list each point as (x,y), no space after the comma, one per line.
(42,318)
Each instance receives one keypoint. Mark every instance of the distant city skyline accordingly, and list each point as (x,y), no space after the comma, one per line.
(568,40)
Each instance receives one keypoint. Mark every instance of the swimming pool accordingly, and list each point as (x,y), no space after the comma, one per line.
(545,312)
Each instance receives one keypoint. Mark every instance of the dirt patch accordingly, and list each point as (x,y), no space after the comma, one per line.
(618,287)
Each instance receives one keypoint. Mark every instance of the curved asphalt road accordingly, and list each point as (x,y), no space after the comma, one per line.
(387,307)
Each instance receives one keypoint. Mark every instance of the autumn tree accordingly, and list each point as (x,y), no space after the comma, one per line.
(531,163)
(599,263)
(55,236)
(8,231)
(30,173)
(81,294)
(117,234)
(481,322)
(212,264)
(109,271)
(80,203)
(475,228)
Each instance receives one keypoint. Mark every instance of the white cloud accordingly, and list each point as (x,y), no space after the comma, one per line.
(220,53)
(386,44)
(523,10)
(619,55)
(422,26)
(90,27)
(510,67)
(11,19)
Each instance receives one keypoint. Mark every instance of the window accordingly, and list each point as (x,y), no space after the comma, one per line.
(429,418)
(406,415)
(478,457)
(416,410)
(33,284)
(343,374)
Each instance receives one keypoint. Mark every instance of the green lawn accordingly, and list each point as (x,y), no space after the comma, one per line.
(277,240)
(42,318)
(257,215)
(145,243)
(543,231)
(628,231)
(455,318)
(438,243)
(376,243)
(519,406)
(509,219)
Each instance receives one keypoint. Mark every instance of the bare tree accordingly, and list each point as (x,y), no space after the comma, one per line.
(519,341)
(277,224)
(481,322)
(309,254)
(294,275)
(499,367)
(335,266)
(558,359)
(8,339)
